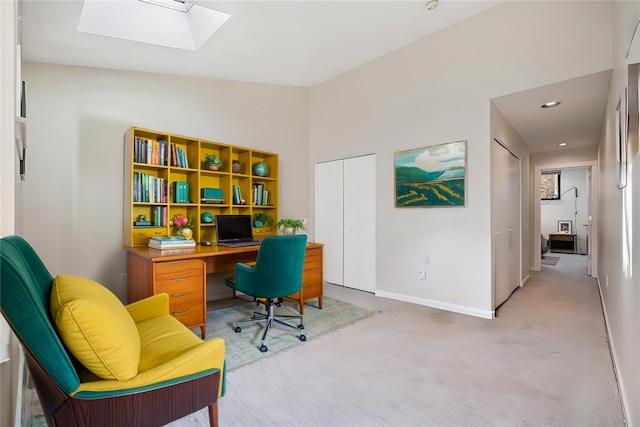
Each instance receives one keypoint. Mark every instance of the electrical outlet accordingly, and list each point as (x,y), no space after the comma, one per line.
(423,276)
(427,260)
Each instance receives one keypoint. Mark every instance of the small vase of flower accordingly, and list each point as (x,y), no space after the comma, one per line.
(183,225)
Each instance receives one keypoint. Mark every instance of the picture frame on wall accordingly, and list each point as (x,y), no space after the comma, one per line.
(622,121)
(432,176)
(565,227)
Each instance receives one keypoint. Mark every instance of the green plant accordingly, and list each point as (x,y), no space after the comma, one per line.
(264,218)
(211,161)
(290,225)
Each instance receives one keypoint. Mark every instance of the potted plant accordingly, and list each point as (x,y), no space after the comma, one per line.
(261,218)
(290,225)
(212,162)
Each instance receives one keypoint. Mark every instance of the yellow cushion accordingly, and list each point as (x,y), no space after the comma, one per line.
(96,327)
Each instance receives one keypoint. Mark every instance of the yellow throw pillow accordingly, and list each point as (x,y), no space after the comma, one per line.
(96,327)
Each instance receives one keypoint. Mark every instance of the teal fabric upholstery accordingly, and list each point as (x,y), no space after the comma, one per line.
(19,263)
(277,273)
(25,290)
(278,269)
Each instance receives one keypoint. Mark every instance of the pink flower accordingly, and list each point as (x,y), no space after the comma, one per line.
(179,221)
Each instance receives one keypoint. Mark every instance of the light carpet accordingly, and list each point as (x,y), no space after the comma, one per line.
(243,347)
(543,362)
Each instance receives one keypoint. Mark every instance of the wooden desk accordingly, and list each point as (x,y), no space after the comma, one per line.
(565,243)
(178,272)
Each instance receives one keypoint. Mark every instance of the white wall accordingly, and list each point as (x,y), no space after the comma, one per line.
(438,90)
(619,284)
(569,207)
(77,118)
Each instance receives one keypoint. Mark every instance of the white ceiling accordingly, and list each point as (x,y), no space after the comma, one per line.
(303,43)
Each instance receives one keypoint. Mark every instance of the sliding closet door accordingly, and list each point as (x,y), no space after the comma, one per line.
(329,218)
(505,222)
(359,222)
(345,200)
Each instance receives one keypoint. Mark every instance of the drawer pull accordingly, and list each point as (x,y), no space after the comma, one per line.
(180,312)
(180,295)
(179,278)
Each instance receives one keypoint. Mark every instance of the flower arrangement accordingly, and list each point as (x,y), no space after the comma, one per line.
(180,221)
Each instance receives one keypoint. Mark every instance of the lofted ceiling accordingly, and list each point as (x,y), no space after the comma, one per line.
(305,42)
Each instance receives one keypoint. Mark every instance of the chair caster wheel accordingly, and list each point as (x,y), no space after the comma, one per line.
(238,329)
(263,348)
(303,337)
(300,326)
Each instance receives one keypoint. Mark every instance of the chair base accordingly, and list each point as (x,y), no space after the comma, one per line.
(270,320)
(143,409)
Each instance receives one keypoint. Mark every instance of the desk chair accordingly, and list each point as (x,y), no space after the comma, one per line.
(96,362)
(277,273)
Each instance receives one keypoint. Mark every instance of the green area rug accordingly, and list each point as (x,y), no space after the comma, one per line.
(242,348)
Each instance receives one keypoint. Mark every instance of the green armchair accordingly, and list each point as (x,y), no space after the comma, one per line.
(96,362)
(276,274)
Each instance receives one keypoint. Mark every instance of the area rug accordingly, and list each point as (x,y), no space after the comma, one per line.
(549,260)
(243,348)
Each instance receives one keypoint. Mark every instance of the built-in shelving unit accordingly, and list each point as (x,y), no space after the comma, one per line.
(165,175)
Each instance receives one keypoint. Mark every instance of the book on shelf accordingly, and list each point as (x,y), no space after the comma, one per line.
(149,151)
(237,196)
(180,191)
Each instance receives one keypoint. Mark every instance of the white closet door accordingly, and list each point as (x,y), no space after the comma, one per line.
(329,218)
(359,222)
(505,222)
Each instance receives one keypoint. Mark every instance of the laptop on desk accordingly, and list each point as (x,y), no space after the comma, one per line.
(235,230)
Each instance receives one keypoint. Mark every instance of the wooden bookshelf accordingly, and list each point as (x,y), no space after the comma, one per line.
(150,190)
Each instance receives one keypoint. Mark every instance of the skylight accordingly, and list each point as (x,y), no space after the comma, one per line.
(170,23)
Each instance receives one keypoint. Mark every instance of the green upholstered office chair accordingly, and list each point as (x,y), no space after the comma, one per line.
(276,274)
(142,367)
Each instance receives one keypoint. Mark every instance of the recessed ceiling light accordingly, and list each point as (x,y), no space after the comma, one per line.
(430,5)
(563,144)
(550,104)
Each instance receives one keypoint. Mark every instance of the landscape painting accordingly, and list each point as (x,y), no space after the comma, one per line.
(432,176)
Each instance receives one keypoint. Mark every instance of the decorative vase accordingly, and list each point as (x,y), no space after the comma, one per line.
(187,233)
(236,166)
(258,224)
(260,169)
(288,231)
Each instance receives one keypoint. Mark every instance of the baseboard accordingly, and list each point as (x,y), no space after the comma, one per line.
(525,280)
(614,357)
(471,311)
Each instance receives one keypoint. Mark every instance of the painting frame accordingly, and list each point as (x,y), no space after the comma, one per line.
(565,226)
(434,176)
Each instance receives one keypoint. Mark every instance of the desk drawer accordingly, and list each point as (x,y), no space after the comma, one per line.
(176,267)
(141,236)
(184,281)
(313,255)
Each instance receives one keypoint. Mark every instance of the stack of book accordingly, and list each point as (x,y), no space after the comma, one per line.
(171,242)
